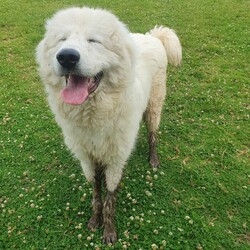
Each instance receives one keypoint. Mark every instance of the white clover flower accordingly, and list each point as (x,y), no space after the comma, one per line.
(154,246)
(156,231)
(25,173)
(39,217)
(149,178)
(148,193)
(126,233)
(72,176)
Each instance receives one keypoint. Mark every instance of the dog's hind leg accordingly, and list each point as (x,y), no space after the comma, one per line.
(97,206)
(153,113)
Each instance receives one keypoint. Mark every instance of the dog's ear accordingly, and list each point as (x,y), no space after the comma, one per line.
(131,51)
(124,44)
(39,51)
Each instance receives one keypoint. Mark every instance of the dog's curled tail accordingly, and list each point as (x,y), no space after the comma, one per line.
(170,42)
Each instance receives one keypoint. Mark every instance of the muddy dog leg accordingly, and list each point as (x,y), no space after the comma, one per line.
(113,176)
(153,114)
(97,206)
(109,235)
(154,159)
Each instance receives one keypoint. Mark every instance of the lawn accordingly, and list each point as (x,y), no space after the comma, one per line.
(198,199)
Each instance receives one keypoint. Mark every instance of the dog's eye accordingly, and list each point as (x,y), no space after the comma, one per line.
(93,41)
(62,39)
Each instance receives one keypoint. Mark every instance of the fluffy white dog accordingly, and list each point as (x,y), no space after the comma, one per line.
(100,81)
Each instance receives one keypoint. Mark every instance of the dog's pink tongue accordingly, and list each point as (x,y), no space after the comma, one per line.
(76,91)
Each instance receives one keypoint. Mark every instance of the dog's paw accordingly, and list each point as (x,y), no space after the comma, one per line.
(94,223)
(154,161)
(109,237)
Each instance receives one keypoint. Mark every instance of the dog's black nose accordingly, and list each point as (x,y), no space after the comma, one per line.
(68,58)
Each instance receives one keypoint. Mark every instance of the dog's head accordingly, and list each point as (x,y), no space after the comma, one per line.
(82,50)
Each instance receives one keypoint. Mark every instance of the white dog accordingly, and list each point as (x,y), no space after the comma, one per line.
(100,81)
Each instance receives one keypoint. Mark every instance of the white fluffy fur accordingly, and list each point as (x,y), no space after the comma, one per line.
(104,128)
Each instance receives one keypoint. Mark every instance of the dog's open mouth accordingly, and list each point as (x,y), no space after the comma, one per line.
(79,88)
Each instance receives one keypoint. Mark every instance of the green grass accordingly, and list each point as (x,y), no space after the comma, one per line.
(198,199)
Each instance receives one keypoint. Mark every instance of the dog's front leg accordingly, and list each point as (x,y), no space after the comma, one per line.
(113,176)
(97,205)
(109,235)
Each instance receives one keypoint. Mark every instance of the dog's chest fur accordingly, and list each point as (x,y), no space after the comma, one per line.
(101,127)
